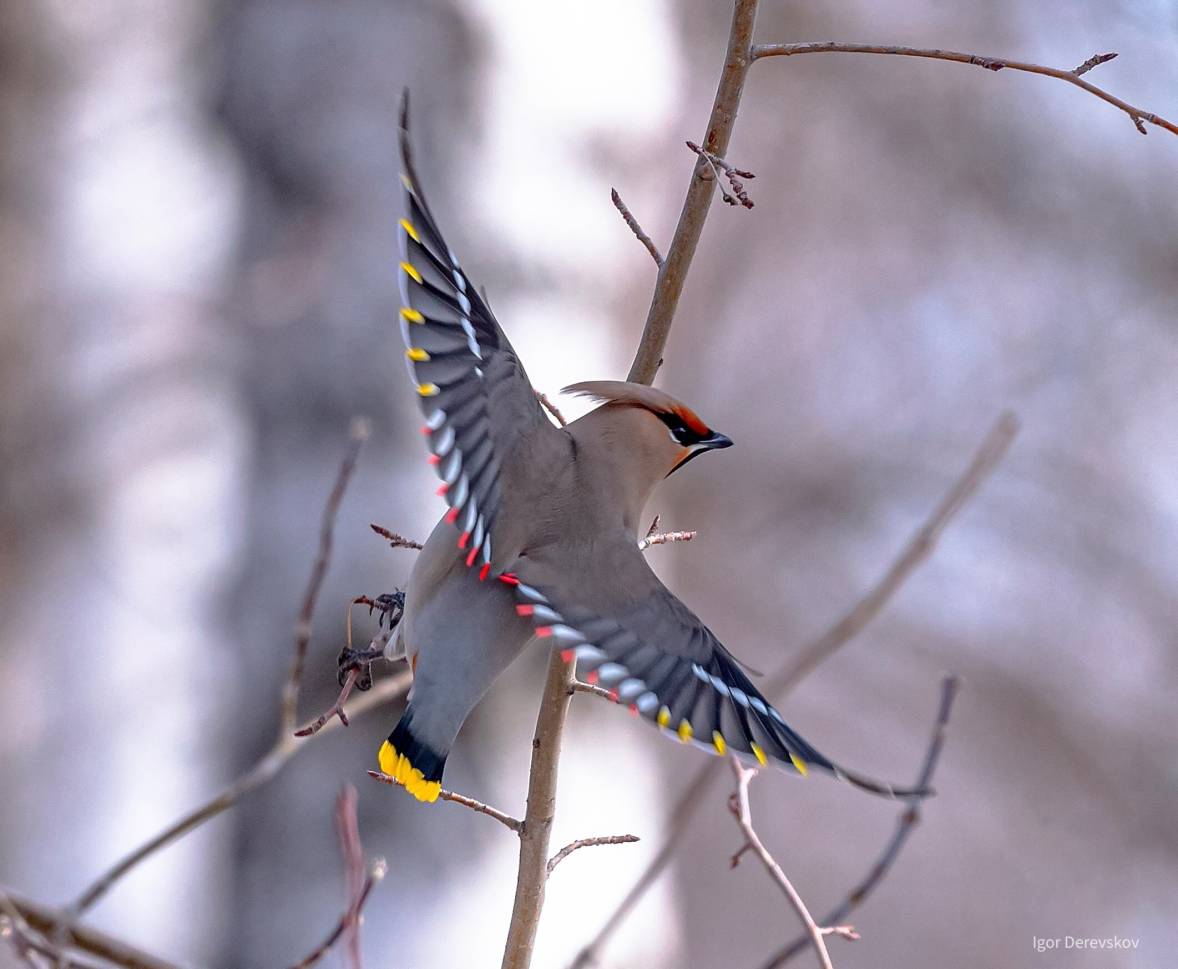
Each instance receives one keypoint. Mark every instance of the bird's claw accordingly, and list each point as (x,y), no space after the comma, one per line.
(391,607)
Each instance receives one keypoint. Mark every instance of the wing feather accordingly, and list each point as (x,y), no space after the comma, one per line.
(631,634)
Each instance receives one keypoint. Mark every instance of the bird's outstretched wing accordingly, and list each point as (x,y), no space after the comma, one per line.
(479,406)
(631,635)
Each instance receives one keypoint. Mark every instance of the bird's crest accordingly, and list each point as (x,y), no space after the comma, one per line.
(639,395)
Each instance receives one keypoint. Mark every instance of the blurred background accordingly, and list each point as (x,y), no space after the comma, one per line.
(197,289)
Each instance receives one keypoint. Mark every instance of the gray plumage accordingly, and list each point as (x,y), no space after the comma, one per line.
(540,540)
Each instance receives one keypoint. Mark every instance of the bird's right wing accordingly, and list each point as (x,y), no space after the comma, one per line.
(631,635)
(481,413)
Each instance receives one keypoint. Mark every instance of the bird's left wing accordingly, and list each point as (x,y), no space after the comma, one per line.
(481,412)
(631,635)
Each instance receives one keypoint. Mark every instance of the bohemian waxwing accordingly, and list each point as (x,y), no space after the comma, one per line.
(540,540)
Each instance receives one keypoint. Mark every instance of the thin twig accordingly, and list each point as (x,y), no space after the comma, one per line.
(613,839)
(395,540)
(673,269)
(1094,61)
(469,802)
(48,921)
(552,409)
(665,538)
(1137,115)
(734,175)
(376,872)
(261,772)
(918,549)
(744,818)
(632,222)
(907,823)
(579,686)
(922,544)
(358,434)
(335,710)
(347,827)
(286,744)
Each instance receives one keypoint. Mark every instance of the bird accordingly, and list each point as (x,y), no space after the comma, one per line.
(539,540)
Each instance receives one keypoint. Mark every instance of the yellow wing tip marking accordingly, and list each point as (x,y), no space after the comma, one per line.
(428,390)
(411,271)
(799,764)
(408,227)
(418,354)
(412,315)
(759,753)
(664,716)
(684,731)
(397,767)
(719,743)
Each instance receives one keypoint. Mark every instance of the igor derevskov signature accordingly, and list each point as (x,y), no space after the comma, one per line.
(1084,942)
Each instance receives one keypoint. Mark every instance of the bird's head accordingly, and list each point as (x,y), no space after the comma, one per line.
(649,423)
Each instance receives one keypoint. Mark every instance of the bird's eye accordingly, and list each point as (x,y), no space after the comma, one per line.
(680,432)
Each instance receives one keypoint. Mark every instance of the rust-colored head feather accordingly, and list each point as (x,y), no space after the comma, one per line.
(639,395)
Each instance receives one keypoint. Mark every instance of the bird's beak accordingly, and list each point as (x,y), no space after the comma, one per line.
(712,442)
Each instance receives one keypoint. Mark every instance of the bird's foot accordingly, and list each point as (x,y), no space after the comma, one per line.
(391,607)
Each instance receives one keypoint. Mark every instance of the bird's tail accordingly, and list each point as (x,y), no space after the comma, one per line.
(412,762)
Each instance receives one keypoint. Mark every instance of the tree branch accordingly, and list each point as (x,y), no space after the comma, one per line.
(632,222)
(286,745)
(744,818)
(613,839)
(1137,115)
(359,884)
(673,269)
(909,819)
(919,548)
(505,819)
(48,922)
(358,434)
(541,808)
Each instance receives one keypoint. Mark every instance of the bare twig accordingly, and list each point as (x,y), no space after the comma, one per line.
(918,549)
(922,544)
(632,222)
(541,808)
(734,175)
(505,819)
(347,828)
(358,434)
(286,745)
(744,818)
(673,269)
(48,922)
(255,777)
(1094,61)
(376,871)
(552,409)
(335,710)
(1137,115)
(613,839)
(665,538)
(907,823)
(579,686)
(395,540)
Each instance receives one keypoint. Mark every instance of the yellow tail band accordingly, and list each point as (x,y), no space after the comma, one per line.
(397,767)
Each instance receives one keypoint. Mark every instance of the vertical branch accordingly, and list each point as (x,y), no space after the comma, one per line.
(537,824)
(673,269)
(536,831)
